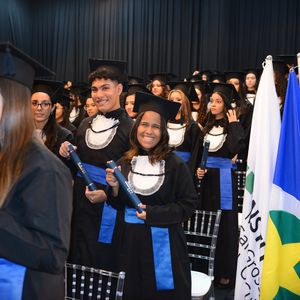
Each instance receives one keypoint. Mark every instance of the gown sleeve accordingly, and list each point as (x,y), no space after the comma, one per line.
(35,221)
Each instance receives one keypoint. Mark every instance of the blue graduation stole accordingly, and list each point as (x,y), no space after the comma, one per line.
(184,155)
(225,166)
(11,280)
(109,214)
(161,252)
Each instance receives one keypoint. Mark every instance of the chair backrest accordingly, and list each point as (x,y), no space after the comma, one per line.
(201,232)
(90,283)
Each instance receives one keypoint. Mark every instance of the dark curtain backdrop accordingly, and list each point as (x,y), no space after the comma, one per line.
(152,35)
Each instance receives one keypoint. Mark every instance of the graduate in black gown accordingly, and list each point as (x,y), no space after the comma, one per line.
(99,138)
(154,252)
(62,113)
(36,192)
(218,187)
(43,99)
(185,134)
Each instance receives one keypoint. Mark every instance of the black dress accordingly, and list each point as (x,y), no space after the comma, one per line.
(99,139)
(218,191)
(35,228)
(186,140)
(167,189)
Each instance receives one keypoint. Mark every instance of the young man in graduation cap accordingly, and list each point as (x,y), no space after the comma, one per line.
(99,138)
(36,191)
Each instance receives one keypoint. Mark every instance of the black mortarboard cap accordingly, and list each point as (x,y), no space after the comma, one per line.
(110,69)
(216,75)
(202,85)
(134,80)
(280,66)
(149,102)
(186,87)
(228,91)
(50,87)
(205,72)
(79,88)
(257,72)
(133,88)
(234,74)
(20,67)
(196,77)
(63,99)
(164,77)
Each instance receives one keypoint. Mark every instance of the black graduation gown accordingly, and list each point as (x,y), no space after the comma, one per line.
(190,141)
(168,206)
(81,115)
(85,248)
(227,245)
(35,224)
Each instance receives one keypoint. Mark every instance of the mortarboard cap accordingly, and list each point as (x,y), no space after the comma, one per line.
(64,100)
(20,67)
(202,85)
(205,73)
(228,91)
(134,80)
(148,102)
(133,88)
(234,74)
(216,75)
(50,87)
(162,77)
(196,77)
(255,71)
(186,87)
(109,69)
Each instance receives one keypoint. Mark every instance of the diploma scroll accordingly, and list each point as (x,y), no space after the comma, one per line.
(125,186)
(203,162)
(77,162)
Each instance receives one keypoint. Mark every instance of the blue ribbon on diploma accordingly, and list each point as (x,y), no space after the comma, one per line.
(161,252)
(225,166)
(125,186)
(11,280)
(77,162)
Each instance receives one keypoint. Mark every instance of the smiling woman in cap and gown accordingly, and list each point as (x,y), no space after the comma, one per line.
(158,85)
(154,252)
(101,137)
(218,186)
(36,191)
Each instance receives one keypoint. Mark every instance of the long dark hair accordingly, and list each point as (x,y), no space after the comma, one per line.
(50,130)
(212,118)
(159,152)
(16,129)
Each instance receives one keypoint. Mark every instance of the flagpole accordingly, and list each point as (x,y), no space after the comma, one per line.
(298,59)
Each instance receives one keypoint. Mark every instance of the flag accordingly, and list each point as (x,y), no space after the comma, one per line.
(281,268)
(264,139)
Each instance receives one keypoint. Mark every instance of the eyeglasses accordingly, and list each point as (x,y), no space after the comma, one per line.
(43,105)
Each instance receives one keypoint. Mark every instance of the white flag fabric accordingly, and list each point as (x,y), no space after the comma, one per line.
(263,146)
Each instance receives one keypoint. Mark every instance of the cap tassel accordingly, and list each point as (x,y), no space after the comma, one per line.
(9,67)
